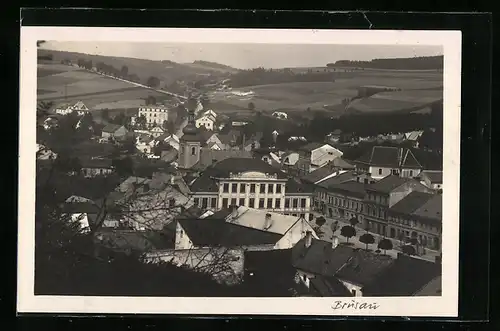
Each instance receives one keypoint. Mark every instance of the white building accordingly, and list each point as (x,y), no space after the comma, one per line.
(251,183)
(154,114)
(281,115)
(68,108)
(207,120)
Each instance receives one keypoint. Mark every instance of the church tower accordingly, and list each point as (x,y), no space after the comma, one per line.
(190,143)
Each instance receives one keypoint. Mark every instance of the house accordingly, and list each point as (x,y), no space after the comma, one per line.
(145,143)
(169,139)
(270,158)
(63,109)
(289,159)
(280,115)
(157,131)
(80,108)
(383,195)
(144,204)
(83,212)
(252,183)
(51,122)
(233,138)
(114,131)
(413,137)
(92,167)
(432,179)
(209,156)
(342,200)
(207,120)
(43,153)
(406,276)
(286,228)
(335,136)
(417,217)
(128,241)
(210,139)
(315,155)
(344,269)
(253,142)
(155,115)
(382,161)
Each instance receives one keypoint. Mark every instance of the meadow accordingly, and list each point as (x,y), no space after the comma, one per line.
(58,83)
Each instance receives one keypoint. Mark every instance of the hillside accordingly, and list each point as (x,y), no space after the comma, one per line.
(414,63)
(167,71)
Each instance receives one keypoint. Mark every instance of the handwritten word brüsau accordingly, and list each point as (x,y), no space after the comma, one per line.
(354,305)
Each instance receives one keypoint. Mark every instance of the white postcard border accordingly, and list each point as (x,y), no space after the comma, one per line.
(444,306)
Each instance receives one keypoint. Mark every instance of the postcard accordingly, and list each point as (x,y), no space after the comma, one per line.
(239,171)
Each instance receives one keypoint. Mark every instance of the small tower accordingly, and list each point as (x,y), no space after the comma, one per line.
(190,143)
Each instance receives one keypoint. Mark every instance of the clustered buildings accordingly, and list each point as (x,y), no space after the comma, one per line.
(226,199)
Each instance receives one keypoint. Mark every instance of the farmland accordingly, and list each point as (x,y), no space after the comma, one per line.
(57,82)
(418,88)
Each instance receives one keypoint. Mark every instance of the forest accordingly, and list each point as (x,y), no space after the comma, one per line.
(415,63)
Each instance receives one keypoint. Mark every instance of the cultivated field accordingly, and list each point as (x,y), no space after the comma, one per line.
(406,100)
(419,87)
(58,83)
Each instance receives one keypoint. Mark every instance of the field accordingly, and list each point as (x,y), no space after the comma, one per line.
(418,87)
(58,83)
(407,100)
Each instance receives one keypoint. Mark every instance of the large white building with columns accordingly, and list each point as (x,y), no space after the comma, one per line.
(251,183)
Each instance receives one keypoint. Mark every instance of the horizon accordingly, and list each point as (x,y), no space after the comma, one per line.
(245,55)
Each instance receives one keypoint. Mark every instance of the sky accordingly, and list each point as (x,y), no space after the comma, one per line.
(246,56)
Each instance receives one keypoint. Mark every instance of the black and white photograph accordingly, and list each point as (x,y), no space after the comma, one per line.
(239,171)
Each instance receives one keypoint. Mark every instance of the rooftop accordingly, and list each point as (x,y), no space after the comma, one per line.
(350,188)
(256,219)
(406,276)
(411,202)
(435,176)
(210,156)
(363,267)
(432,209)
(311,146)
(340,178)
(110,128)
(215,232)
(387,184)
(318,174)
(328,286)
(207,183)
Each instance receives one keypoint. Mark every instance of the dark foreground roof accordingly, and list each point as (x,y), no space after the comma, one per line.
(405,277)
(217,232)
(388,156)
(328,286)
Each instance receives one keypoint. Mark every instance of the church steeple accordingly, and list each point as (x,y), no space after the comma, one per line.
(190,129)
(190,142)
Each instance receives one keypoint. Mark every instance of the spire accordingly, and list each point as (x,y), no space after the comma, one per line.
(190,128)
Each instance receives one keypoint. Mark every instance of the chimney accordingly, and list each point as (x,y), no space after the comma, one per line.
(308,240)
(335,242)
(268,221)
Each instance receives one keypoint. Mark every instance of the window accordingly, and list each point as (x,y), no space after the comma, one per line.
(278,188)
(204,203)
(193,150)
(302,203)
(269,203)
(270,188)
(196,202)
(295,203)
(242,202)
(234,188)
(303,215)
(394,171)
(213,202)
(380,171)
(365,180)
(262,188)
(225,188)
(261,203)
(277,203)
(287,203)
(411,173)
(252,188)
(233,202)
(181,233)
(251,203)
(242,188)
(353,292)
(225,202)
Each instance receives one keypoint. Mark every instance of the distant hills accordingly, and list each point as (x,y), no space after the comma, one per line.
(167,71)
(413,63)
